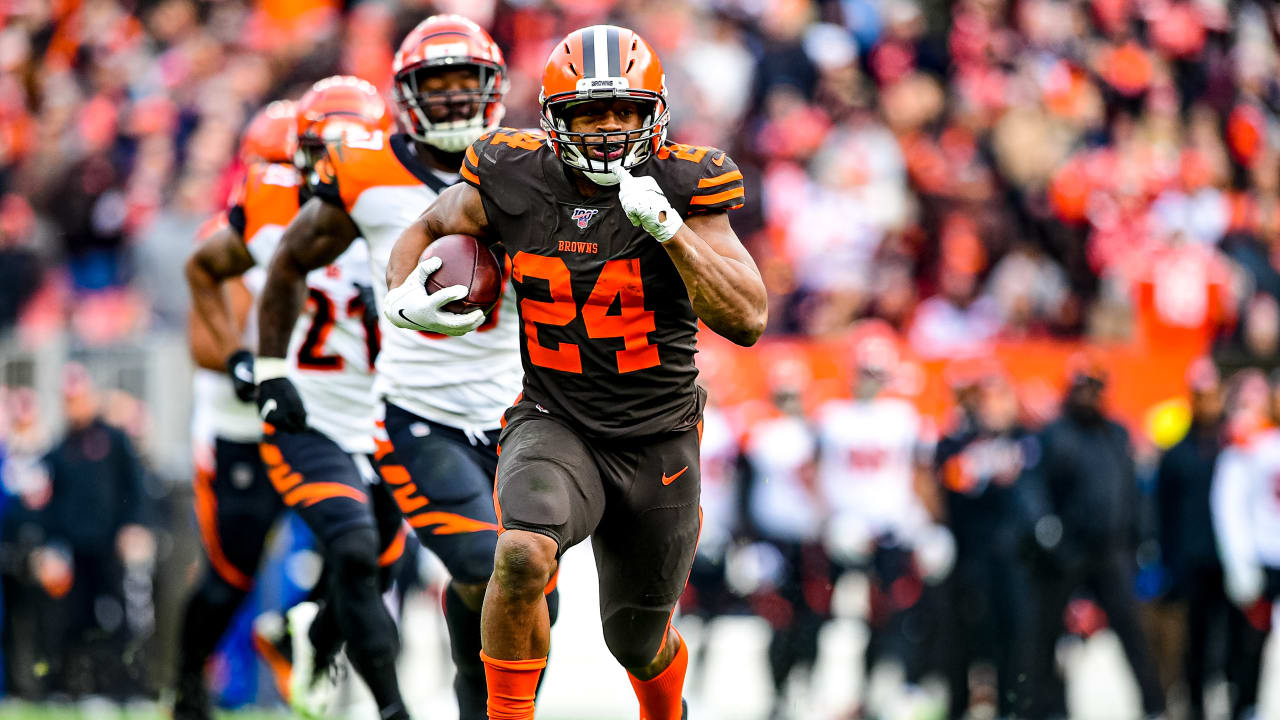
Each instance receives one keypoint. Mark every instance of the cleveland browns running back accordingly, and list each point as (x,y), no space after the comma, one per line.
(619,243)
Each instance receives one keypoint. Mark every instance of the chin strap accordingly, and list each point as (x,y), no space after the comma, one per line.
(604,178)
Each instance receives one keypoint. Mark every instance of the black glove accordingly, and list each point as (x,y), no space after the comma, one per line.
(240,369)
(278,400)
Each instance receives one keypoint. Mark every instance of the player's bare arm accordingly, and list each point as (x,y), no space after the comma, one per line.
(458,211)
(724,284)
(220,258)
(205,350)
(315,238)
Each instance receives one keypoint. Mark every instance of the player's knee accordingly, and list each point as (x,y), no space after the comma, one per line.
(634,637)
(353,556)
(524,562)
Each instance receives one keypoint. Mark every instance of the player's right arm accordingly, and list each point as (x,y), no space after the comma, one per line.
(458,211)
(221,257)
(316,236)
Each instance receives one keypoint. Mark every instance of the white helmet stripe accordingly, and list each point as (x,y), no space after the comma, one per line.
(601,43)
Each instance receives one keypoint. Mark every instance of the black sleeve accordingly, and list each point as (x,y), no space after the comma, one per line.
(129,475)
(236,219)
(747,478)
(743,479)
(1166,505)
(1034,499)
(49,518)
(325,185)
(328,192)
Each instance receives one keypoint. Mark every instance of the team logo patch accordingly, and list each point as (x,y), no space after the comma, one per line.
(583,216)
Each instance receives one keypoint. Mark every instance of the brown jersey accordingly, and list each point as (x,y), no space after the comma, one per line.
(607,331)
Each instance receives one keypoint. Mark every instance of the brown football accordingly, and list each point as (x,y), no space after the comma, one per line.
(465,261)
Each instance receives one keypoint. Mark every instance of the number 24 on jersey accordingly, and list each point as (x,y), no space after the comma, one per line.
(620,280)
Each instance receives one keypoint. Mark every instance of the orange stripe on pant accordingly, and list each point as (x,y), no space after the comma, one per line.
(312,493)
(395,550)
(447,523)
(207,518)
(281,668)
(282,477)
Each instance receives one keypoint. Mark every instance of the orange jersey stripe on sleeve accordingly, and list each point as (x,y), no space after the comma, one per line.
(468,175)
(720,179)
(718,197)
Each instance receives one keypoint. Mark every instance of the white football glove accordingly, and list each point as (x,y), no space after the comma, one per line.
(410,306)
(646,206)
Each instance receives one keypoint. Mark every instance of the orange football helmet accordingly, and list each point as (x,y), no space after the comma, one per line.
(269,135)
(440,43)
(603,62)
(336,108)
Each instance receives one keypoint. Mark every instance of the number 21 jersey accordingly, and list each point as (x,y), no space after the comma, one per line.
(607,333)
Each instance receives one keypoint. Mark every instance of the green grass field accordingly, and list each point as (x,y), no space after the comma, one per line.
(27,711)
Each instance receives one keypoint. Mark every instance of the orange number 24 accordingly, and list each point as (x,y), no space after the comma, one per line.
(619,279)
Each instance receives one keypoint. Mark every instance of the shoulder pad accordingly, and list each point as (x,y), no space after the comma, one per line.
(357,163)
(706,176)
(270,198)
(493,146)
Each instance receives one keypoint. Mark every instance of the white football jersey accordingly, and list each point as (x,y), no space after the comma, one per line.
(465,382)
(1246,502)
(867,462)
(332,347)
(784,498)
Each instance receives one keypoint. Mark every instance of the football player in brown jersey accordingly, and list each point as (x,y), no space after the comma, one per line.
(619,244)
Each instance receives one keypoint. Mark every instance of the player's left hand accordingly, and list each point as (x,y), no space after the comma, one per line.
(646,206)
(410,306)
(278,400)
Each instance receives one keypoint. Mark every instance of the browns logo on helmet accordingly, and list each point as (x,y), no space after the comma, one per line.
(269,135)
(430,111)
(337,108)
(603,62)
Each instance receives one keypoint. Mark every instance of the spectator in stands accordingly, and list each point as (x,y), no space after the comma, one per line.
(26,483)
(1081,494)
(707,596)
(978,465)
(786,514)
(874,472)
(1246,524)
(1188,548)
(94,528)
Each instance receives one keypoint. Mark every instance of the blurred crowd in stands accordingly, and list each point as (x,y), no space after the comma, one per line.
(966,172)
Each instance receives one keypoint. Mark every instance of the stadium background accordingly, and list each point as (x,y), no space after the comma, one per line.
(978,178)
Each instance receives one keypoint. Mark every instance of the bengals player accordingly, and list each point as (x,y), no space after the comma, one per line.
(328,486)
(619,243)
(444,396)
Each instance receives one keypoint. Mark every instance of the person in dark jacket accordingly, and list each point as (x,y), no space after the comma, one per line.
(1081,497)
(1188,547)
(94,527)
(978,465)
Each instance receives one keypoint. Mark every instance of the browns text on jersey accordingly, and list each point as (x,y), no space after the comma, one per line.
(608,334)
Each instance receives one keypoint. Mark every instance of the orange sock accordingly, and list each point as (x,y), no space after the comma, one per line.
(513,685)
(660,698)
